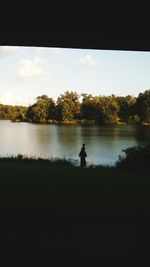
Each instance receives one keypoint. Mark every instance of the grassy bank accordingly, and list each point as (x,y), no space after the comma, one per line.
(44,186)
(54,211)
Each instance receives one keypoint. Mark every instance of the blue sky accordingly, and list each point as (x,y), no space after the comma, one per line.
(28,72)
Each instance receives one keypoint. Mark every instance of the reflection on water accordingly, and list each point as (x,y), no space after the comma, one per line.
(103,143)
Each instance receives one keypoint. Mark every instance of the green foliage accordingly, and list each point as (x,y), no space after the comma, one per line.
(93,110)
(126,107)
(2,115)
(143,106)
(102,109)
(107,110)
(68,106)
(42,111)
(88,108)
(13,113)
(136,158)
(134,119)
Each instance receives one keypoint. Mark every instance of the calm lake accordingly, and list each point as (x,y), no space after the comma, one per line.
(103,143)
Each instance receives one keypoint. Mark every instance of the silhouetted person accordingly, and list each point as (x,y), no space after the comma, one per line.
(82,156)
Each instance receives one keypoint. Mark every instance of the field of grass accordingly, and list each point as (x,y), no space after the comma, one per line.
(56,212)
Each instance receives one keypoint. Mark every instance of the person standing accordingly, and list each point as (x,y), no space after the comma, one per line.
(82,155)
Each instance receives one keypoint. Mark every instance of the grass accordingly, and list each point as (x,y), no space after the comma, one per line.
(53,205)
(36,185)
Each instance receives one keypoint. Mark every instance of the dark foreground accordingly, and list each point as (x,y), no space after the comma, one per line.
(53,215)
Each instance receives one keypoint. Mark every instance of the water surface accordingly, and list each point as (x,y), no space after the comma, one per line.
(103,143)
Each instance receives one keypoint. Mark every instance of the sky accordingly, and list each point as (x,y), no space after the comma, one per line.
(28,72)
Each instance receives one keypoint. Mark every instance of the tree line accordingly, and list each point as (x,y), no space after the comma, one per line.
(91,110)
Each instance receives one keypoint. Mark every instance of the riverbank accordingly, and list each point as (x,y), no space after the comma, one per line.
(83,123)
(60,214)
(77,122)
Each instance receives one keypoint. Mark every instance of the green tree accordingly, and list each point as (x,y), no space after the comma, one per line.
(101,109)
(127,105)
(18,113)
(143,106)
(88,107)
(134,119)
(107,110)
(2,115)
(42,111)
(68,106)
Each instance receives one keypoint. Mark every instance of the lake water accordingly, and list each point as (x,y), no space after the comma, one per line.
(103,143)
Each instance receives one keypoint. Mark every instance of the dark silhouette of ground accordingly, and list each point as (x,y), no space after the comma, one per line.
(66,240)
(65,216)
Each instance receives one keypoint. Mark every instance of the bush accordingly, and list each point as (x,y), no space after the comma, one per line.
(134,119)
(136,158)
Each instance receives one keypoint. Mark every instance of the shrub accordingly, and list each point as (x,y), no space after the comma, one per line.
(136,158)
(134,119)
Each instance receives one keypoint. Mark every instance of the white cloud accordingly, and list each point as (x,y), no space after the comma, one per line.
(11,98)
(31,69)
(5,50)
(88,61)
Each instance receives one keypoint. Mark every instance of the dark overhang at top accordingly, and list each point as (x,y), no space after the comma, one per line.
(84,40)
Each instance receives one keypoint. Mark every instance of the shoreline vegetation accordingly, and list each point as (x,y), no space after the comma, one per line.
(135,159)
(85,109)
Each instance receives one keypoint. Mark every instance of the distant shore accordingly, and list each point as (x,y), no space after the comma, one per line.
(81,122)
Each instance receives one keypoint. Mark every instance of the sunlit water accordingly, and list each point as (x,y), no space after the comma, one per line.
(103,143)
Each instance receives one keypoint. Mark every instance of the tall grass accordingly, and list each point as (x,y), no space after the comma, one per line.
(37,160)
